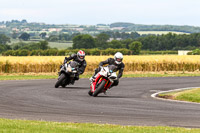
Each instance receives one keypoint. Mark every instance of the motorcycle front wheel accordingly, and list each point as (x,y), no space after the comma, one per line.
(61,78)
(99,88)
(90,93)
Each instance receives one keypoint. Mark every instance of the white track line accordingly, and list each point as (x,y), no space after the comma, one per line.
(181,89)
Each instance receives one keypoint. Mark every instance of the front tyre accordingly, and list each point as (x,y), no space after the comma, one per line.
(99,88)
(61,78)
(90,93)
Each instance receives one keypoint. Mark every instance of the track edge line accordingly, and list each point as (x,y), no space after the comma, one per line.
(154,95)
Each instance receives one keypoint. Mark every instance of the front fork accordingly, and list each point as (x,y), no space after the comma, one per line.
(97,81)
(106,86)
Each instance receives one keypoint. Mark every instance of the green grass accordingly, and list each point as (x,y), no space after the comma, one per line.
(189,95)
(60,45)
(192,95)
(17,40)
(26,77)
(159,32)
(162,75)
(29,77)
(26,126)
(54,76)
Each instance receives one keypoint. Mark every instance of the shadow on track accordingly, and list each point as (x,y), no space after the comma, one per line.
(73,88)
(109,96)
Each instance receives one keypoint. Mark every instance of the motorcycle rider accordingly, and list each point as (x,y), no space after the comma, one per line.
(117,61)
(80,58)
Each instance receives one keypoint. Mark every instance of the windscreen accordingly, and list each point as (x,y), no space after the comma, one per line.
(112,68)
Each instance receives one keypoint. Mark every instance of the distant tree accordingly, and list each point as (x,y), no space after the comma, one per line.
(18,45)
(74,34)
(24,21)
(4,39)
(14,35)
(24,36)
(43,45)
(24,52)
(101,40)
(135,47)
(65,37)
(43,35)
(4,47)
(127,42)
(115,44)
(83,41)
(134,35)
(53,38)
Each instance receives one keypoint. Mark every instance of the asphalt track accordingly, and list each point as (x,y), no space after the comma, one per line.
(130,103)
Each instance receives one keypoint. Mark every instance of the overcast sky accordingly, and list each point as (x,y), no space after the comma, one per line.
(91,12)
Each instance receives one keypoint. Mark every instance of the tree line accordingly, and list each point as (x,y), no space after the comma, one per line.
(140,27)
(168,41)
(56,52)
(126,27)
(117,40)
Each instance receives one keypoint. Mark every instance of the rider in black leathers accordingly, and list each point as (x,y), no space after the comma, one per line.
(117,61)
(80,58)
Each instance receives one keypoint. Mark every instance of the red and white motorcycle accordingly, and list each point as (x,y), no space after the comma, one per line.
(103,80)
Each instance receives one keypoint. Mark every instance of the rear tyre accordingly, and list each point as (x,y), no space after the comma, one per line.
(61,78)
(99,88)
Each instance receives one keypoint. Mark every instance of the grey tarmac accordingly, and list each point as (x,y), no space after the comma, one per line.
(130,103)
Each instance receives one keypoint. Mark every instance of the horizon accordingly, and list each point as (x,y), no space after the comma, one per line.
(94,24)
(92,12)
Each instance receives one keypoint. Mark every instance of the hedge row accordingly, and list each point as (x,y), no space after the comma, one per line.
(55,52)
(158,52)
(194,52)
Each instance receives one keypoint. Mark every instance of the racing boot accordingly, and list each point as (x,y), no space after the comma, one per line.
(72,82)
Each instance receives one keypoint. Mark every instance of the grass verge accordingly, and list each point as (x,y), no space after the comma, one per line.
(27,126)
(192,95)
(28,76)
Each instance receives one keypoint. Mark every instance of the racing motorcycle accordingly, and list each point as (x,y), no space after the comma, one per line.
(103,80)
(67,74)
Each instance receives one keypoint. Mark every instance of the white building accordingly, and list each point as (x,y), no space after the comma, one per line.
(183,52)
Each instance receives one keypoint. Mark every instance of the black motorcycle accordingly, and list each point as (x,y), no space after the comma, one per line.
(67,74)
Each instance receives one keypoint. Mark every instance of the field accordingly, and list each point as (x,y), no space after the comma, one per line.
(59,45)
(134,64)
(159,32)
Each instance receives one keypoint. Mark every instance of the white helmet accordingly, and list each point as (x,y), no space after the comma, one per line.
(118,58)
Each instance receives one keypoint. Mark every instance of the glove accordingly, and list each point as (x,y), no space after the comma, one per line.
(79,72)
(65,61)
